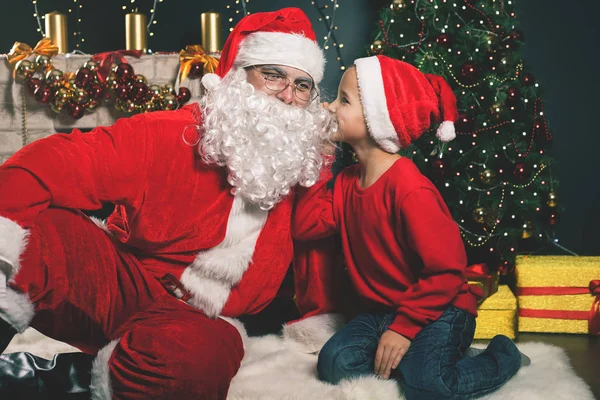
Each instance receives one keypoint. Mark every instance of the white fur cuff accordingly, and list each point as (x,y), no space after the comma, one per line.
(17,310)
(13,240)
(100,384)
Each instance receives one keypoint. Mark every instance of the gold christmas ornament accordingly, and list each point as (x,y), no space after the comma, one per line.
(91,65)
(552,199)
(80,96)
(527,230)
(92,103)
(377,47)
(156,91)
(54,77)
(43,63)
(149,106)
(168,89)
(487,176)
(480,215)
(139,78)
(24,69)
(170,102)
(111,81)
(61,96)
(398,5)
(129,106)
(57,107)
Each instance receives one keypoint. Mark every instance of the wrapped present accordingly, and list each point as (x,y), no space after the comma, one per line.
(497,315)
(559,294)
(479,275)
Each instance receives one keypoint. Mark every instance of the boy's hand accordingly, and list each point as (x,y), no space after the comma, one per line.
(391,349)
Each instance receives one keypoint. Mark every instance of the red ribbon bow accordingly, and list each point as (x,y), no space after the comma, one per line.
(594,318)
(107,59)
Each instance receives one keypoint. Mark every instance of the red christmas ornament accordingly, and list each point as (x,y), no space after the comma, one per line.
(184,95)
(469,72)
(528,79)
(138,93)
(553,217)
(75,110)
(521,173)
(516,36)
(96,91)
(124,72)
(439,169)
(43,94)
(197,70)
(444,40)
(513,95)
(32,85)
(83,77)
(122,92)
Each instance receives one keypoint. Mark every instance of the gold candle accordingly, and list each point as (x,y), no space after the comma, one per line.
(56,30)
(136,32)
(211,31)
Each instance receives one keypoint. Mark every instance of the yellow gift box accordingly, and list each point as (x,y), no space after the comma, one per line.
(497,315)
(558,294)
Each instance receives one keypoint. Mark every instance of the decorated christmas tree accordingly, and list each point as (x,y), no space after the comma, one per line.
(496,175)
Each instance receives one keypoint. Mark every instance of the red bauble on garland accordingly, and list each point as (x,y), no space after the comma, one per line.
(184,95)
(197,70)
(444,40)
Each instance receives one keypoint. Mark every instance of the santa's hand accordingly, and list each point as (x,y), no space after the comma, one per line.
(392,347)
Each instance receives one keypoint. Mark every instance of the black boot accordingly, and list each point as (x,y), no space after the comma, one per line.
(7,332)
(26,376)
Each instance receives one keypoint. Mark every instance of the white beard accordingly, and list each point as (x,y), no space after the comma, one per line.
(267,146)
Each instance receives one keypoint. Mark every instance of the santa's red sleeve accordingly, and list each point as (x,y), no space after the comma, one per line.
(434,236)
(76,170)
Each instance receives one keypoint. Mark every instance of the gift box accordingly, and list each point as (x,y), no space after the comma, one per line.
(559,294)
(497,315)
(479,275)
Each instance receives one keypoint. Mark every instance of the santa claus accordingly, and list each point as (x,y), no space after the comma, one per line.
(201,228)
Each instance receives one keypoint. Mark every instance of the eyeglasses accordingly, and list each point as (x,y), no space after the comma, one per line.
(277,83)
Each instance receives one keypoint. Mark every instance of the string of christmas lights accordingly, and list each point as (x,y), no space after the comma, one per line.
(236,11)
(329,22)
(78,22)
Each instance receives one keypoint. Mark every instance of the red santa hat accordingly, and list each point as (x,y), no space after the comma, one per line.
(283,37)
(400,102)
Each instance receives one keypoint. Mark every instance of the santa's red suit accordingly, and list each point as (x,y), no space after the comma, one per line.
(103,290)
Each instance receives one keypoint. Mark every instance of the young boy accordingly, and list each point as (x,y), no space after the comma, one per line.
(402,250)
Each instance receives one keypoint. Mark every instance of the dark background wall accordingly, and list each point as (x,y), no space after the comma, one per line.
(561,51)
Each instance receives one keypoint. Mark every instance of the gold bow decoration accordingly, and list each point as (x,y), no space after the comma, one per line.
(21,51)
(195,54)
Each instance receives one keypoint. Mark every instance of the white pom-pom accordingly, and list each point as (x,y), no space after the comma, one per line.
(211,81)
(446,131)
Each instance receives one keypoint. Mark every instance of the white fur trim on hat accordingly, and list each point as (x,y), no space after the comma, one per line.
(446,131)
(372,95)
(291,50)
(211,81)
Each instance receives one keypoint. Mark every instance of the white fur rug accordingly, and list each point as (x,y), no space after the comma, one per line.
(274,368)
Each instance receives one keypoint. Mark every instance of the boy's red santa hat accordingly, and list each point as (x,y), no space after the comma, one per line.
(283,37)
(400,102)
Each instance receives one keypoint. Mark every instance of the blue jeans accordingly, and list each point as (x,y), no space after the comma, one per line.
(435,365)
